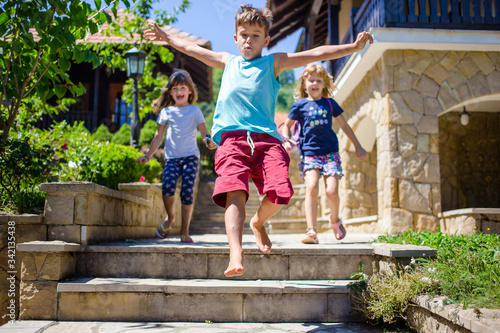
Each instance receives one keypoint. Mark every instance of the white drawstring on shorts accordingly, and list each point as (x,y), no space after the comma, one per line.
(250,142)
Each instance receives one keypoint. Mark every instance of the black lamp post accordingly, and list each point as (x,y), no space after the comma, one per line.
(135,69)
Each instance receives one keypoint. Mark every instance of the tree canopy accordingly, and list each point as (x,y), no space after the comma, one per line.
(41,39)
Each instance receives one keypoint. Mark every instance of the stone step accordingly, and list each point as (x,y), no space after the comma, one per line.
(182,300)
(295,225)
(219,215)
(201,228)
(200,260)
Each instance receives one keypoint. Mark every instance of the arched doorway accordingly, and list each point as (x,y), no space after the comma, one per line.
(469,154)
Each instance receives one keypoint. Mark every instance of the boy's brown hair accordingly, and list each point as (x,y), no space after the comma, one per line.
(248,14)
(328,86)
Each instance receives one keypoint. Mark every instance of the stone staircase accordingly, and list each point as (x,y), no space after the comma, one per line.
(86,278)
(208,218)
(78,270)
(163,280)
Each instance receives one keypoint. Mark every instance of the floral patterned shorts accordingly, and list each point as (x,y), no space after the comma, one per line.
(328,165)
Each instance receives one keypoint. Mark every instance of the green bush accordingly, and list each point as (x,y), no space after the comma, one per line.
(104,163)
(384,298)
(122,136)
(148,132)
(25,163)
(63,153)
(109,164)
(467,266)
(102,134)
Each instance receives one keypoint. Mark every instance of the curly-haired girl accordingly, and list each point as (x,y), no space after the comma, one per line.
(318,145)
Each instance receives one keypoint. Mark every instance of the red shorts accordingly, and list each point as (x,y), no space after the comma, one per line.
(267,166)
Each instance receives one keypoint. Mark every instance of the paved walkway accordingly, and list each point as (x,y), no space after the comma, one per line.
(136,327)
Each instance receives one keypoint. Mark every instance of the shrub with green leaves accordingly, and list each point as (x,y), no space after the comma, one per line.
(63,153)
(102,134)
(122,136)
(148,132)
(24,164)
(109,164)
(104,163)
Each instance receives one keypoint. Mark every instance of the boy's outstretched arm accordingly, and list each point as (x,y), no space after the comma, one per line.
(284,61)
(209,57)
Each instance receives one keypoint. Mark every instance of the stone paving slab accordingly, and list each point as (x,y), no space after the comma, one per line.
(327,240)
(205,286)
(182,327)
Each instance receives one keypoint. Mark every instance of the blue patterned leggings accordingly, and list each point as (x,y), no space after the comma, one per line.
(187,167)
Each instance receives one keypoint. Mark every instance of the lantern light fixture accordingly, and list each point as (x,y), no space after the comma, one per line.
(464,117)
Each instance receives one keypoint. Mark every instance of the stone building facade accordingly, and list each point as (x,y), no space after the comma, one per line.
(422,158)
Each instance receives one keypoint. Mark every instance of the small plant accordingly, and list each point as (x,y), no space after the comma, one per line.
(102,134)
(123,135)
(384,298)
(148,132)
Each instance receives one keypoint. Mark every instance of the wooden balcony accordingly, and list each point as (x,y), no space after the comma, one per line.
(70,116)
(421,14)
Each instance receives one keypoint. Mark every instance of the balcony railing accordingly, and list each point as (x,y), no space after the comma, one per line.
(423,14)
(70,117)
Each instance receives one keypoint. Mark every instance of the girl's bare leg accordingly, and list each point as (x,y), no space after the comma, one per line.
(187,212)
(234,218)
(332,195)
(311,178)
(168,202)
(266,210)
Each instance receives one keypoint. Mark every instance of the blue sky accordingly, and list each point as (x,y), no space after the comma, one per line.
(214,21)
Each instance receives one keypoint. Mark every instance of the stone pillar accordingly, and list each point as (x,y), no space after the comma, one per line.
(44,264)
(408,165)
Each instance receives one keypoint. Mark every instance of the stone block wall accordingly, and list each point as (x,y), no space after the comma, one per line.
(358,189)
(87,213)
(15,229)
(404,94)
(470,221)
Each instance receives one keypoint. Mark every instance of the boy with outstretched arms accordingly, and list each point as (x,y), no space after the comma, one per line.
(243,126)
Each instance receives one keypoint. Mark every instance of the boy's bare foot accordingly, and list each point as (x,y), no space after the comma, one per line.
(261,238)
(234,271)
(235,267)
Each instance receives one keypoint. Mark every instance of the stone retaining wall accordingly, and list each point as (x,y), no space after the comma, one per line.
(87,213)
(79,213)
(24,228)
(470,221)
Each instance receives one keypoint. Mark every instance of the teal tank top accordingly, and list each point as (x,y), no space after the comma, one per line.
(247,97)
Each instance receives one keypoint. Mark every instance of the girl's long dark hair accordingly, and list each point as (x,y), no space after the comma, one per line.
(178,77)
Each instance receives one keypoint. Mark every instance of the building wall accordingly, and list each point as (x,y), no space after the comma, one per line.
(404,94)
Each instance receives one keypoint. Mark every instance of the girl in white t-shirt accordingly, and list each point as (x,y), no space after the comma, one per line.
(178,120)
